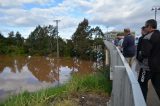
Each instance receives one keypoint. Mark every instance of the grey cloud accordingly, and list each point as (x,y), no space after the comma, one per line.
(123,14)
(20,17)
(19,3)
(111,13)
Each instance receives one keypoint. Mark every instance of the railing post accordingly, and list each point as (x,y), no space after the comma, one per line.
(107,57)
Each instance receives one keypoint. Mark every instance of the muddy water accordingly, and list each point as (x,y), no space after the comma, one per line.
(33,73)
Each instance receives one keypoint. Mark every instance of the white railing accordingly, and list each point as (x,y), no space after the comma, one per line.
(125,88)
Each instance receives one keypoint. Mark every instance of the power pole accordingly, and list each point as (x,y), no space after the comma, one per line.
(57,37)
(155,8)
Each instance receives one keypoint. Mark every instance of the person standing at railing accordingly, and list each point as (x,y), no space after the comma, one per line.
(144,71)
(119,41)
(151,54)
(128,46)
(120,44)
(138,54)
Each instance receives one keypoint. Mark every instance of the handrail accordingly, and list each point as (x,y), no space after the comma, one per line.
(125,88)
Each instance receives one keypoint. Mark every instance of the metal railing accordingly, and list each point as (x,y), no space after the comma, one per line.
(125,88)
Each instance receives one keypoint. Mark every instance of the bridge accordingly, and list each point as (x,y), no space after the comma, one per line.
(125,87)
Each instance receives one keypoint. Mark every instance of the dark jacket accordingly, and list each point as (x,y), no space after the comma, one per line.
(151,50)
(128,46)
(138,54)
(116,42)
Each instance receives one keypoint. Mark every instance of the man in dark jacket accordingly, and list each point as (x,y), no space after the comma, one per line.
(144,72)
(128,46)
(151,52)
(138,55)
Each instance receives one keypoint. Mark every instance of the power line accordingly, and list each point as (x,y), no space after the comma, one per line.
(57,37)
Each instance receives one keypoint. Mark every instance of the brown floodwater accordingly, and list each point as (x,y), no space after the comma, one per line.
(21,73)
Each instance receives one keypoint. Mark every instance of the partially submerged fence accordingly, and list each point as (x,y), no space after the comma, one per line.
(125,88)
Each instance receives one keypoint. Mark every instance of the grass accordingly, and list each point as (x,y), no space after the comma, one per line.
(39,98)
(97,82)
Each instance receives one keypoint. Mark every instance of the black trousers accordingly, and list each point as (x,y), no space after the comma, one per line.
(143,78)
(156,82)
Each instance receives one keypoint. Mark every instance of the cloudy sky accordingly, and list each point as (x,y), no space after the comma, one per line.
(25,15)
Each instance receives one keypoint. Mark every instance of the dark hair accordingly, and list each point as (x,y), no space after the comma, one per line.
(152,23)
(118,34)
(143,27)
(127,30)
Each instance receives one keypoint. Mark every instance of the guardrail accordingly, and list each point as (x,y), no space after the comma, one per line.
(125,88)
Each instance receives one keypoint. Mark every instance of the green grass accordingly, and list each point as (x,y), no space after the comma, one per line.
(97,82)
(39,98)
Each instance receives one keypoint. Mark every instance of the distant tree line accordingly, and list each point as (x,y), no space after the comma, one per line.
(84,42)
(13,44)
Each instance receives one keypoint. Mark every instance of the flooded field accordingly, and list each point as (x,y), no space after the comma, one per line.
(32,73)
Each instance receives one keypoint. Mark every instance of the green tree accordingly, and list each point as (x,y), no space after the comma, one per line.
(62,47)
(52,38)
(99,35)
(13,44)
(37,41)
(1,36)
(98,44)
(3,44)
(81,39)
(69,48)
(97,32)
(42,41)
(19,39)
(11,38)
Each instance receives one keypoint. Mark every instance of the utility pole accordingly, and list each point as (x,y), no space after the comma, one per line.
(57,49)
(57,37)
(155,8)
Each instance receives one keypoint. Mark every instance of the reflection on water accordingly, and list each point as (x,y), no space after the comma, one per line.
(25,73)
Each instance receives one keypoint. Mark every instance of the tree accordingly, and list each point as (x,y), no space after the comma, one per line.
(11,38)
(42,40)
(11,34)
(19,39)
(99,35)
(97,32)
(52,36)
(69,48)
(81,39)
(1,36)
(2,44)
(62,47)
(37,40)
